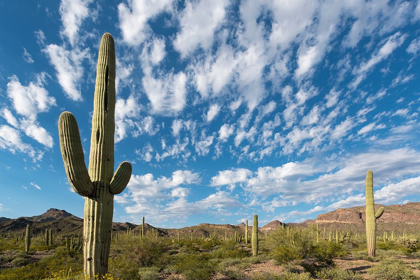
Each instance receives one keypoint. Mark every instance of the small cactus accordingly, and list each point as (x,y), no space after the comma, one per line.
(255,236)
(371,217)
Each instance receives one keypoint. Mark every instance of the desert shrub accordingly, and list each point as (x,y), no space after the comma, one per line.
(296,245)
(394,270)
(194,266)
(45,268)
(21,260)
(229,250)
(124,267)
(9,255)
(233,273)
(265,276)
(210,243)
(336,273)
(142,252)
(295,276)
(149,273)
(411,245)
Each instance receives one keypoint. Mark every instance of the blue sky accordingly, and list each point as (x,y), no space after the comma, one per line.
(224,108)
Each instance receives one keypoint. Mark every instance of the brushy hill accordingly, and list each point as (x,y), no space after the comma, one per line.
(395,218)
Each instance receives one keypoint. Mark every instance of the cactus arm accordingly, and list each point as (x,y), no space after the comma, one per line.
(73,157)
(121,178)
(101,158)
(379,212)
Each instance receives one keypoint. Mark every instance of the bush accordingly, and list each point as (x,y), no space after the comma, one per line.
(338,274)
(194,266)
(296,276)
(149,273)
(394,270)
(296,245)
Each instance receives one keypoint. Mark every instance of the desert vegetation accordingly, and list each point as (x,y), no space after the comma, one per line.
(286,253)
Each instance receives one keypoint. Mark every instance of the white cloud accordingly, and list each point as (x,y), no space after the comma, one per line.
(35,186)
(332,98)
(167,94)
(29,100)
(212,112)
(315,180)
(8,116)
(134,16)
(414,46)
(33,130)
(229,177)
(199,20)
(69,68)
(343,129)
(402,79)
(157,53)
(203,147)
(27,56)
(126,111)
(370,127)
(225,132)
(10,139)
(73,12)
(312,117)
(391,44)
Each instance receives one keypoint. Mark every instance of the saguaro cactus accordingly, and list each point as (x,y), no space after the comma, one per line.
(246,232)
(254,237)
(27,238)
(99,184)
(371,217)
(142,228)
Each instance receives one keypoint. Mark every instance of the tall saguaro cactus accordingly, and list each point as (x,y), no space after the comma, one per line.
(246,232)
(28,238)
(371,217)
(99,184)
(254,238)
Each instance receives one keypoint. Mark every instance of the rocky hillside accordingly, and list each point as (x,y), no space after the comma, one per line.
(396,217)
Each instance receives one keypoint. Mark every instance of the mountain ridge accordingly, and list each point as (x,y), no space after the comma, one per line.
(396,218)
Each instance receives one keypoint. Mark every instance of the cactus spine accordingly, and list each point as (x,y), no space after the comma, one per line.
(371,217)
(246,232)
(99,184)
(28,238)
(255,236)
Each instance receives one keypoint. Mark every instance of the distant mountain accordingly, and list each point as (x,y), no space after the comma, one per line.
(3,219)
(396,218)
(51,215)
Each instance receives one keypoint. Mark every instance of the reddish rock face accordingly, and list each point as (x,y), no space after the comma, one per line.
(394,218)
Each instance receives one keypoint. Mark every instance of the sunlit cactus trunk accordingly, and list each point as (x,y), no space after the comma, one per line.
(254,238)
(27,238)
(246,232)
(371,217)
(99,184)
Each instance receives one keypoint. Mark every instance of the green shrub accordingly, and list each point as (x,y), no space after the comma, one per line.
(149,273)
(194,266)
(296,276)
(336,273)
(394,270)
(229,250)
(21,260)
(297,245)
